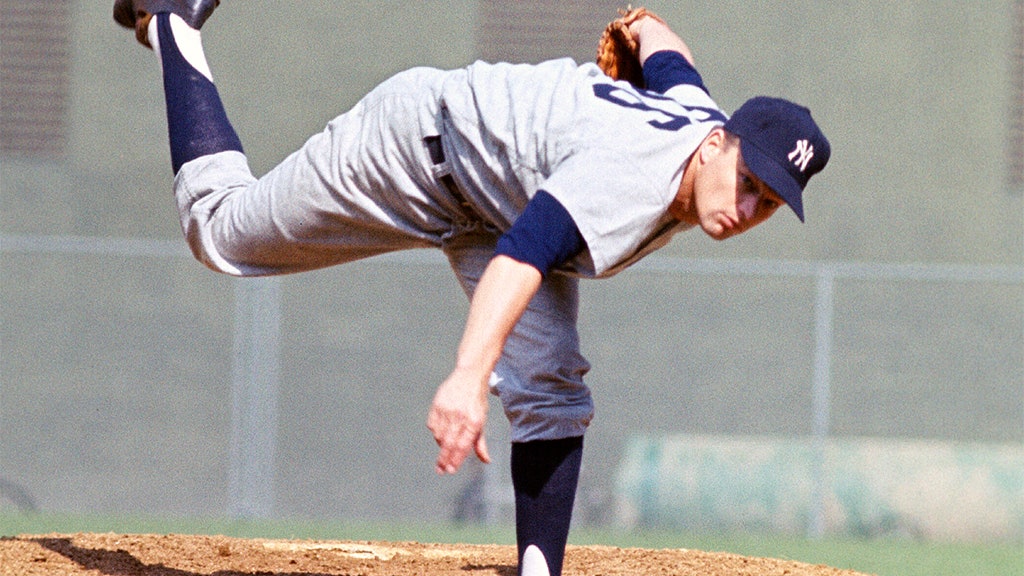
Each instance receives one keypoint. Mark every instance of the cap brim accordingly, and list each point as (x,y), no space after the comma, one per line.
(775,176)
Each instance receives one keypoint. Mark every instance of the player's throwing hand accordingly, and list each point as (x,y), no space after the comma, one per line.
(456,419)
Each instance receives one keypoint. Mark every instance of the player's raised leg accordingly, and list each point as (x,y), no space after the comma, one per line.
(197,123)
(318,207)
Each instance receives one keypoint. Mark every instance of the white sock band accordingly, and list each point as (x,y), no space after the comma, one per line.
(189,41)
(534,563)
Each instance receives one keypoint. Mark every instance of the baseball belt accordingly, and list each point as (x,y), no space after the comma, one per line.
(443,172)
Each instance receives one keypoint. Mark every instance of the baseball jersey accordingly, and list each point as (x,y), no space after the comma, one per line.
(612,155)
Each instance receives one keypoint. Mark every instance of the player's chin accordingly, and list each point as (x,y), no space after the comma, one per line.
(719,231)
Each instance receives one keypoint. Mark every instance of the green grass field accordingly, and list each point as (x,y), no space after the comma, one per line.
(884,557)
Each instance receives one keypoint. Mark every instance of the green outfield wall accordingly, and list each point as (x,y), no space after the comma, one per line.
(929,490)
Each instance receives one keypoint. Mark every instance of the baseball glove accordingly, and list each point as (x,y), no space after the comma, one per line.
(618,54)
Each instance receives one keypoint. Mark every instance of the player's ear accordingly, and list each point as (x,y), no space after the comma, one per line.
(712,144)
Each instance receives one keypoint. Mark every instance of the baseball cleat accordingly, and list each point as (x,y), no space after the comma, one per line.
(137,13)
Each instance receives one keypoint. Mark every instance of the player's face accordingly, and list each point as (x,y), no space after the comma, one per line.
(728,199)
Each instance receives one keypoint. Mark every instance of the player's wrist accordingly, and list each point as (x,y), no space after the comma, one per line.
(635,28)
(470,376)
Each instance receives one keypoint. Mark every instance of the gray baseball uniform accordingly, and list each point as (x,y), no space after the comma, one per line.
(613,157)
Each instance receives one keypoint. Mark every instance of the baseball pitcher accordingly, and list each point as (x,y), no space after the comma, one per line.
(527,177)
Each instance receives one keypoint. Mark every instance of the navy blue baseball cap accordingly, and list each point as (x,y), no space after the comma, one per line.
(781,145)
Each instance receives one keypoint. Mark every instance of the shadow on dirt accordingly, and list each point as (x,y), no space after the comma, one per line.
(498,569)
(121,563)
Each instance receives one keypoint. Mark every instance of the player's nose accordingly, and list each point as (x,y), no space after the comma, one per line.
(746,208)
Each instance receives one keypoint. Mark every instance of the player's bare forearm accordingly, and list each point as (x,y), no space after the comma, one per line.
(459,411)
(655,36)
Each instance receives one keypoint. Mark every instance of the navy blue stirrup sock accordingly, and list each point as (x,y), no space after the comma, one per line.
(197,124)
(544,475)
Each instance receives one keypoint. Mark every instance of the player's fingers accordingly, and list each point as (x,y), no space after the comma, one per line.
(454,440)
(481,449)
(452,453)
(448,465)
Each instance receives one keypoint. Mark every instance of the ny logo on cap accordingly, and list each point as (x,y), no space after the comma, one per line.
(802,154)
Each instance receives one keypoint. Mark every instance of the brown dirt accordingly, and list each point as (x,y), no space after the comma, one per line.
(176,555)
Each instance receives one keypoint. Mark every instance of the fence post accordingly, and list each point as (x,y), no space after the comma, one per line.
(821,396)
(254,393)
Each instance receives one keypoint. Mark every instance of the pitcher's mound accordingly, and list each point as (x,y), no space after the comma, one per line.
(178,555)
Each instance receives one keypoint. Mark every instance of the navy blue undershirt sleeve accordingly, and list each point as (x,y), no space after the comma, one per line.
(544,236)
(668,68)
